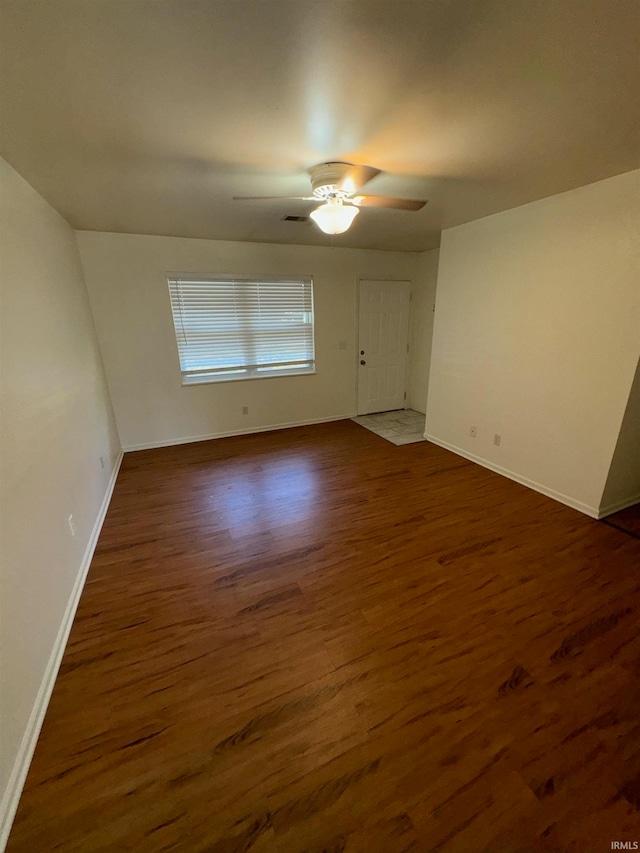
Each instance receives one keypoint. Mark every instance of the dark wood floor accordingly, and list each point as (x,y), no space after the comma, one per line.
(313,640)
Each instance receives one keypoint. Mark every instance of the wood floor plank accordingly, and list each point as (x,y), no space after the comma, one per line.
(313,641)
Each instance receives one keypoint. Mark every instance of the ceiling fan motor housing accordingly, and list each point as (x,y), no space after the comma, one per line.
(326,179)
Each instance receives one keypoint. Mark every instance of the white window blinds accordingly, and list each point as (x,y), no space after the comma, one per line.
(242,328)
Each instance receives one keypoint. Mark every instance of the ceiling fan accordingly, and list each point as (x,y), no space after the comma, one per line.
(337,186)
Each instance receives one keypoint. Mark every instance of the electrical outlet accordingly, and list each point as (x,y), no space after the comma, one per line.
(245,410)
(473,431)
(72,526)
(496,439)
(343,345)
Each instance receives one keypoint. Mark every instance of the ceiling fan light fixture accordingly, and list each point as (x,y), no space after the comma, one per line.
(334,217)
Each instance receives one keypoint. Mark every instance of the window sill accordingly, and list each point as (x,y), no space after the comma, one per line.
(223,380)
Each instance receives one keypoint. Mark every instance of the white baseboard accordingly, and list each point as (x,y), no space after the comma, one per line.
(616,507)
(11,797)
(170,442)
(592,512)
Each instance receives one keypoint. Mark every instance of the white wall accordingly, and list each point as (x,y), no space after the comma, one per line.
(537,337)
(623,481)
(126,280)
(56,421)
(423,298)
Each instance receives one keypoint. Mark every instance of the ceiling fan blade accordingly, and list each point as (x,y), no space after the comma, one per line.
(356,177)
(388,201)
(274,198)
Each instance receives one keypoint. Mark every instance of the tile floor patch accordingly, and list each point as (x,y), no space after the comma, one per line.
(404,426)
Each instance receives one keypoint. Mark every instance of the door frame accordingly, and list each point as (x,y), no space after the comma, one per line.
(359,279)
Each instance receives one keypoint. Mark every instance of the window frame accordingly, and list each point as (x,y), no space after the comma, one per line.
(249,372)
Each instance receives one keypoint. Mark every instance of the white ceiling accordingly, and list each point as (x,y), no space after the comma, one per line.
(148,116)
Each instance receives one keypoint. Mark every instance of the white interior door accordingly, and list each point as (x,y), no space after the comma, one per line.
(383,334)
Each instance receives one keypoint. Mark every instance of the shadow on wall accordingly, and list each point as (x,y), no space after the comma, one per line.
(622,487)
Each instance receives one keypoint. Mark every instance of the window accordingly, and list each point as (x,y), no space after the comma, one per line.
(235,327)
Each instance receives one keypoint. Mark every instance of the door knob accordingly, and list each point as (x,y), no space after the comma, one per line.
(362,362)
